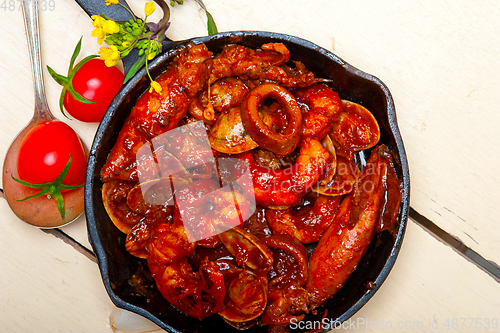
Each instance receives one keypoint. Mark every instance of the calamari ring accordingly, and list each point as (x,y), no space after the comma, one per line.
(280,143)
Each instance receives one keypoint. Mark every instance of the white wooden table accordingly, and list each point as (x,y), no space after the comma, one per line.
(440,61)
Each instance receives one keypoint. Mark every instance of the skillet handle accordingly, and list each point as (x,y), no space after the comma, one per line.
(98,7)
(117,13)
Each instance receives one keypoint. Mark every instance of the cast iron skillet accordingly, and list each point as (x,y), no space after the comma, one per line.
(117,266)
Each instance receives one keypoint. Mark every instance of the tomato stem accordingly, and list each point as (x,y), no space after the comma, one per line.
(51,189)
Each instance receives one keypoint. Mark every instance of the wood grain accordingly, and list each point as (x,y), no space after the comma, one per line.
(439,60)
(47,286)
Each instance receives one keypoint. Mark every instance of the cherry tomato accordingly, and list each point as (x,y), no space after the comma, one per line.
(97,83)
(45,151)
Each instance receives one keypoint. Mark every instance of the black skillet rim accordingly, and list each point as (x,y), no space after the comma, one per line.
(92,177)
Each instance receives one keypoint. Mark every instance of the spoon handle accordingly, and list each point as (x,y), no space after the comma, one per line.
(30,14)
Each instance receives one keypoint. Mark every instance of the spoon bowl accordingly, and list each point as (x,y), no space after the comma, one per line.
(40,212)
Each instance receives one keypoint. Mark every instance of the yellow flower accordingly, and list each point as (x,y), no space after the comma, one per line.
(155,86)
(98,31)
(110,55)
(111,2)
(110,27)
(98,21)
(149,8)
(103,27)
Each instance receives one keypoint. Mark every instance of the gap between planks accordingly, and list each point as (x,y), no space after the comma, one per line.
(490,267)
(58,233)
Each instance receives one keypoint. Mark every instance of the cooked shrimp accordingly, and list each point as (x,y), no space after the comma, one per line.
(307,223)
(198,294)
(320,107)
(285,187)
(347,239)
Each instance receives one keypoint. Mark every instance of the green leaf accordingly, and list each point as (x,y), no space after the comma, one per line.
(80,64)
(39,194)
(76,52)
(212,28)
(61,101)
(77,96)
(135,68)
(62,80)
(60,203)
(63,187)
(52,189)
(30,185)
(66,81)
(64,172)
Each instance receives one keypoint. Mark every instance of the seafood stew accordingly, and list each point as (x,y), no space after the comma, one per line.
(125,276)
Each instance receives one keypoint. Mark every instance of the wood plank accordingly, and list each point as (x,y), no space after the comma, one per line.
(439,61)
(16,81)
(50,286)
(429,288)
(47,286)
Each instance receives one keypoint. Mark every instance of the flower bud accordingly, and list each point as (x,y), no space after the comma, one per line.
(149,8)
(111,2)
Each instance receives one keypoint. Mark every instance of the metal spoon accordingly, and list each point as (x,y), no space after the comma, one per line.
(40,212)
